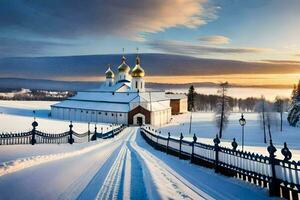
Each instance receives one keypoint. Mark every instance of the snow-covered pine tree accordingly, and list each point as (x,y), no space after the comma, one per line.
(222,109)
(294,108)
(191,104)
(191,98)
(279,107)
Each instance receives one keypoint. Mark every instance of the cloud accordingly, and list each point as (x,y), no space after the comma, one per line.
(214,39)
(87,67)
(186,48)
(280,62)
(12,46)
(74,19)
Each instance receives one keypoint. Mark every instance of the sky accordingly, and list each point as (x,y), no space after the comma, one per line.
(260,31)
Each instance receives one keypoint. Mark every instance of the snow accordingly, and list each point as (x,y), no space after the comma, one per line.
(22,163)
(115,101)
(125,166)
(121,167)
(203,125)
(17,116)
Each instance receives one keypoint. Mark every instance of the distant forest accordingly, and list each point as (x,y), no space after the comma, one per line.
(207,103)
(34,95)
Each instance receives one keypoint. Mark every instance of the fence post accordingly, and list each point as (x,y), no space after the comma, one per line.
(71,140)
(217,148)
(193,148)
(274,184)
(234,144)
(157,145)
(167,149)
(94,137)
(89,131)
(180,143)
(34,125)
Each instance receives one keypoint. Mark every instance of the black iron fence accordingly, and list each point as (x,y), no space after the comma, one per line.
(38,137)
(280,176)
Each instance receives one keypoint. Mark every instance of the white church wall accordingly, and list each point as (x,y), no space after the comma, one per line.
(89,115)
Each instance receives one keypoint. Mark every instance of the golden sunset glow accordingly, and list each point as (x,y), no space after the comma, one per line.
(275,80)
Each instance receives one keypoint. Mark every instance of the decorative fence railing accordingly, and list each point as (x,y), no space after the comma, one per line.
(38,137)
(280,176)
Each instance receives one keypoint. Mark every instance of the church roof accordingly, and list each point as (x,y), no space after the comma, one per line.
(123,67)
(116,101)
(138,71)
(109,73)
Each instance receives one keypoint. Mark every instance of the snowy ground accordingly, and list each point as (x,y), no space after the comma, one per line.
(204,127)
(124,167)
(16,116)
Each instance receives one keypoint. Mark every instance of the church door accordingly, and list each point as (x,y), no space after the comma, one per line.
(139,121)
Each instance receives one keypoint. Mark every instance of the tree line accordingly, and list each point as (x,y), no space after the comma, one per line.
(207,103)
(222,104)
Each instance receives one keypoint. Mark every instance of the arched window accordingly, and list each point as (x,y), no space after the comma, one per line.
(136,84)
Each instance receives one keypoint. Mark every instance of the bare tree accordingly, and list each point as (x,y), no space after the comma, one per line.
(280,106)
(222,110)
(261,108)
(270,120)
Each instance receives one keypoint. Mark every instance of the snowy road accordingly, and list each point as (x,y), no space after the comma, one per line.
(125,167)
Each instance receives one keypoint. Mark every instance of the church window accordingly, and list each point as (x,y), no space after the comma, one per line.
(120,115)
(112,114)
(136,84)
(81,110)
(141,85)
(87,111)
(99,113)
(105,113)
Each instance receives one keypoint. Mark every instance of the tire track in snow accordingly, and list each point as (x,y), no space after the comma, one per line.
(109,189)
(23,163)
(113,185)
(165,176)
(91,189)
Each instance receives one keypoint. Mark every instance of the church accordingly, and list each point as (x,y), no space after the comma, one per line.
(122,99)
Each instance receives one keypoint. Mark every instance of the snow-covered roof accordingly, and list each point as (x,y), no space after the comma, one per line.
(113,88)
(117,97)
(116,101)
(176,96)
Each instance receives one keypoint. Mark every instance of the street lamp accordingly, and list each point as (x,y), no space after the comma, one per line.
(242,122)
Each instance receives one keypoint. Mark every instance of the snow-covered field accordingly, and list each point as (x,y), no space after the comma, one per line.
(16,116)
(205,128)
(122,167)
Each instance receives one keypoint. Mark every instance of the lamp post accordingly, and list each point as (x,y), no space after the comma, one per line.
(242,122)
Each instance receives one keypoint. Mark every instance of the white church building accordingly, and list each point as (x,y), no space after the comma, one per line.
(122,99)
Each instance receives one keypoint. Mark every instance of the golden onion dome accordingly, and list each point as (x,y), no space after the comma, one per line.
(109,73)
(137,71)
(123,67)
